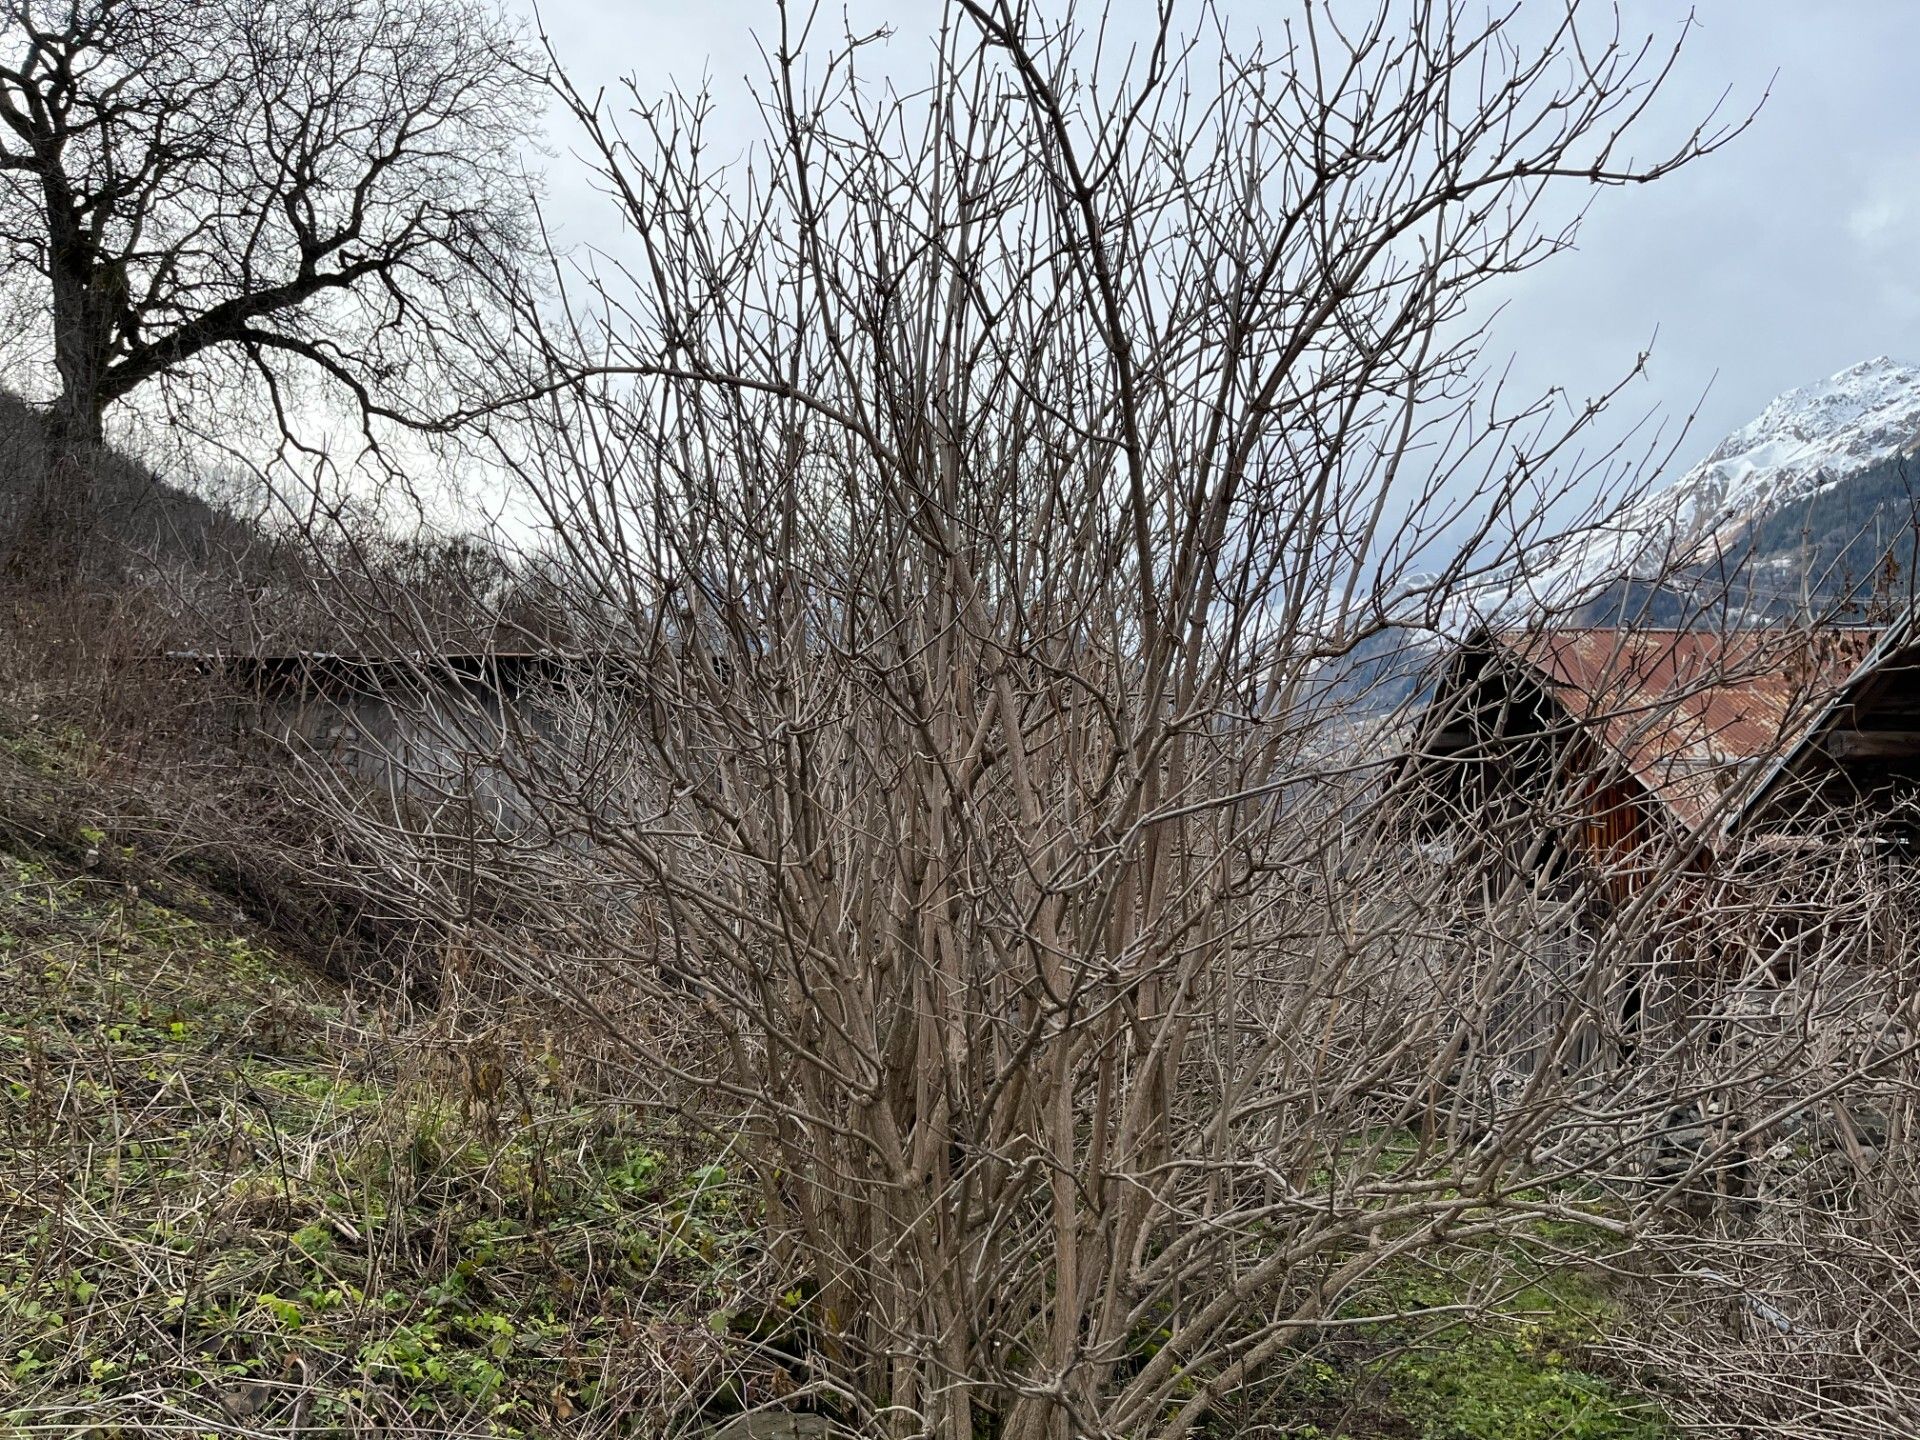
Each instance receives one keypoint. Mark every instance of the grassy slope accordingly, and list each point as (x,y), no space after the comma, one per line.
(232,1201)
(226,1203)
(1533,1373)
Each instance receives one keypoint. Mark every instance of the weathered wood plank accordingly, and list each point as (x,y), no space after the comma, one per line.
(1872,744)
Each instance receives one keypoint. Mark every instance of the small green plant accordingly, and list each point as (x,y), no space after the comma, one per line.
(286,1312)
(1509,1387)
(637,1173)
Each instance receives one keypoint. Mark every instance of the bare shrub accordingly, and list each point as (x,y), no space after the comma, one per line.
(982,499)
(969,533)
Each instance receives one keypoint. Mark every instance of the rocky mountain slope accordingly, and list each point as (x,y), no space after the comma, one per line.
(1807,442)
(1811,508)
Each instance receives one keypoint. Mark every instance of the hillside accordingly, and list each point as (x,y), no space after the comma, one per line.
(1808,442)
(1812,509)
(240,1197)
(1807,509)
(138,515)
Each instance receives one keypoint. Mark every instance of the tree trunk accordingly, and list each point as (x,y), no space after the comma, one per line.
(54,525)
(55,520)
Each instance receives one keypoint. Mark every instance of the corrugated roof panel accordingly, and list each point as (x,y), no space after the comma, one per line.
(1689,711)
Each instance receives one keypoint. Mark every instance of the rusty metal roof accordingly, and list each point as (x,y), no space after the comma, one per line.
(1897,650)
(1691,713)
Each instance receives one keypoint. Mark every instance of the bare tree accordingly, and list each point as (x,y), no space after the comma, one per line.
(964,525)
(198,193)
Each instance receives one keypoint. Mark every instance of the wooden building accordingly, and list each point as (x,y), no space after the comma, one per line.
(1856,762)
(1570,775)
(1620,751)
(456,729)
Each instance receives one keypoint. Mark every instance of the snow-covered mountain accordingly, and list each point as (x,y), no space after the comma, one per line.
(1787,502)
(1813,507)
(1807,441)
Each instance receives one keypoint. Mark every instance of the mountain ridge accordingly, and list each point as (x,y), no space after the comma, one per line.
(1806,441)
(1808,512)
(1794,512)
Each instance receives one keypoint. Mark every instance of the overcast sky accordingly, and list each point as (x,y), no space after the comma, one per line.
(1784,258)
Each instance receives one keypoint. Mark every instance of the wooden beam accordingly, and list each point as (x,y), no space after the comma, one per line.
(1872,744)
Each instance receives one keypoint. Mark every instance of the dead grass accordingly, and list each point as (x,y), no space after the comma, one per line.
(241,1197)
(238,1198)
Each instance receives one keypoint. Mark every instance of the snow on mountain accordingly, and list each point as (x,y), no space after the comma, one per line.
(1806,441)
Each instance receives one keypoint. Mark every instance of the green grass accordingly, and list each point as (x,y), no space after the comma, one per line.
(1517,1385)
(1525,1366)
(228,1201)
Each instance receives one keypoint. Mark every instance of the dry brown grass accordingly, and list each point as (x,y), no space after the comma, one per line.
(239,1196)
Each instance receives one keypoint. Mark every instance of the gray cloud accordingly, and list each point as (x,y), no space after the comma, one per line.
(1776,262)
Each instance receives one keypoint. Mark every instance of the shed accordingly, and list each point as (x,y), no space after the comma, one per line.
(1616,748)
(460,728)
(1565,772)
(1857,759)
